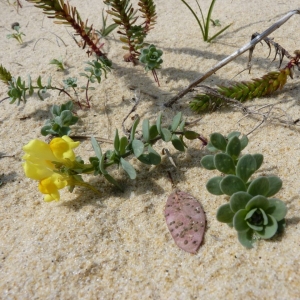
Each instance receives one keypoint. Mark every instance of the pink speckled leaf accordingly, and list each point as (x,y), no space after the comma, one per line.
(186,221)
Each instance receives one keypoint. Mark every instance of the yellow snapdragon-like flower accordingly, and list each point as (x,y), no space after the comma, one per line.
(39,157)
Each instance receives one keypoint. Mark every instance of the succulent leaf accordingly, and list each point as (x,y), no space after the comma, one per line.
(234,147)
(277,209)
(231,184)
(239,220)
(213,185)
(245,167)
(275,184)
(224,163)
(225,214)
(207,162)
(218,141)
(259,186)
(239,200)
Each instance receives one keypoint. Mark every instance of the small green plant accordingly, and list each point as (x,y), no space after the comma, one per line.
(62,119)
(17,35)
(205,22)
(59,64)
(67,169)
(250,210)
(106,30)
(151,58)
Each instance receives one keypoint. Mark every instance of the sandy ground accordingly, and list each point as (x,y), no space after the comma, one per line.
(118,246)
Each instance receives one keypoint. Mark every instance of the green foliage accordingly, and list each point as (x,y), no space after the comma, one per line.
(62,119)
(59,64)
(249,210)
(95,68)
(5,75)
(140,147)
(242,91)
(106,30)
(151,58)
(205,22)
(18,89)
(125,17)
(17,35)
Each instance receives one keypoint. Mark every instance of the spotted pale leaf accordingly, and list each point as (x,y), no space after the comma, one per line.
(186,221)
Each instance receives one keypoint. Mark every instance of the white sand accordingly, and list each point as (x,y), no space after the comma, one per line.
(118,246)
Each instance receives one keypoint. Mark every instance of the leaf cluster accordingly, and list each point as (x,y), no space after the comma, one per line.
(16,35)
(151,58)
(250,211)
(140,146)
(95,69)
(18,89)
(125,16)
(62,119)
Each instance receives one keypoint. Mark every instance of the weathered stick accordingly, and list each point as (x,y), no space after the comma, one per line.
(231,57)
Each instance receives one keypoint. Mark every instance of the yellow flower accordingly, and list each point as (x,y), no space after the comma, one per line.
(39,157)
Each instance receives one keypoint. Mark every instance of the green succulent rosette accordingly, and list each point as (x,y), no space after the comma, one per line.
(151,58)
(253,217)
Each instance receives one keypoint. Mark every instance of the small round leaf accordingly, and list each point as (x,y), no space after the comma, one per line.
(258,202)
(239,222)
(234,147)
(224,163)
(277,209)
(231,184)
(218,141)
(207,162)
(245,167)
(259,186)
(270,229)
(225,214)
(239,201)
(246,238)
(275,184)
(259,158)
(213,185)
(138,147)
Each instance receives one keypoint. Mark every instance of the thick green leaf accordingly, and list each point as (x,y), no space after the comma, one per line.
(145,129)
(138,147)
(218,141)
(166,134)
(231,184)
(225,214)
(176,121)
(158,123)
(207,162)
(96,148)
(234,147)
(113,181)
(244,142)
(258,202)
(275,184)
(153,132)
(128,168)
(233,134)
(245,167)
(239,220)
(246,238)
(117,142)
(224,163)
(133,129)
(177,143)
(259,158)
(123,145)
(259,186)
(270,229)
(213,185)
(239,200)
(277,209)
(190,135)
(152,158)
